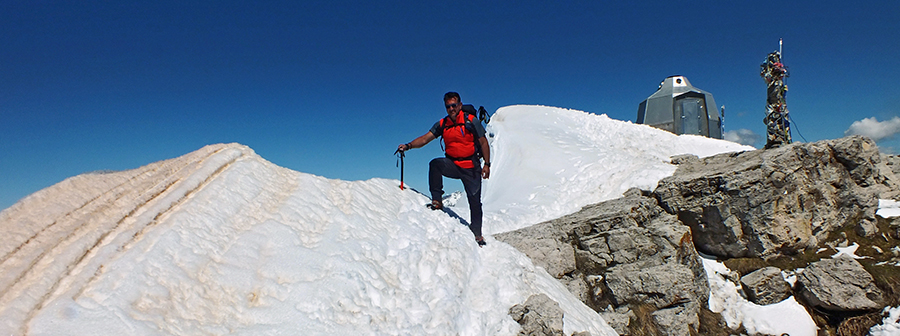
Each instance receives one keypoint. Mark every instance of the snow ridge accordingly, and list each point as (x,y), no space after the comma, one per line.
(220,241)
(47,253)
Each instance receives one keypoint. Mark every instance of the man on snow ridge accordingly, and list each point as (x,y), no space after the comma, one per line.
(466,143)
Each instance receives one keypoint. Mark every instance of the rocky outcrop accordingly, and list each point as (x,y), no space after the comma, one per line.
(622,253)
(840,285)
(766,286)
(767,203)
(633,259)
(538,316)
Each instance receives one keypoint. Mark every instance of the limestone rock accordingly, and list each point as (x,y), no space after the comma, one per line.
(538,316)
(766,286)
(840,284)
(867,229)
(663,285)
(577,285)
(626,251)
(676,321)
(766,203)
(683,158)
(618,319)
(554,255)
(892,164)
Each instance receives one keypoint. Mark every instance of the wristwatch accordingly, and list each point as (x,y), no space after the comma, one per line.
(487,164)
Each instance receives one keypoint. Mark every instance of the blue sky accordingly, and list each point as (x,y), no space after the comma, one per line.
(331,87)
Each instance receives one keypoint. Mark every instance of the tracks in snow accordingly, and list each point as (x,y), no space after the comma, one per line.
(69,251)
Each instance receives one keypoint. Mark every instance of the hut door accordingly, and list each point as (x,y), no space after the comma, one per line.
(692,111)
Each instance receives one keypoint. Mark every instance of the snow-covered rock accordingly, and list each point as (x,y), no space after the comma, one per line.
(785,317)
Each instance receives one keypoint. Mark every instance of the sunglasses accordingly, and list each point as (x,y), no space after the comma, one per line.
(454,105)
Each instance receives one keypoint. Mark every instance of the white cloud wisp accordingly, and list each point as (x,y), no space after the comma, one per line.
(742,136)
(872,128)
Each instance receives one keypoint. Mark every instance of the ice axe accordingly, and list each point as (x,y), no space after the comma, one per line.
(402,155)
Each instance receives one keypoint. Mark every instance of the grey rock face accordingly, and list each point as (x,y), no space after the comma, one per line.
(676,321)
(766,286)
(892,163)
(766,203)
(618,319)
(840,284)
(662,285)
(548,248)
(684,158)
(578,286)
(867,229)
(539,316)
(628,251)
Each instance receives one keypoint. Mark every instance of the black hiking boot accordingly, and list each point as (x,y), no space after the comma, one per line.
(480,241)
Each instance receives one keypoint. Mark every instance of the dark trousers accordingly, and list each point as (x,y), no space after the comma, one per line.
(471,180)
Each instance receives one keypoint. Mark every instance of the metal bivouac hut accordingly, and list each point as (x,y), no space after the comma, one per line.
(680,108)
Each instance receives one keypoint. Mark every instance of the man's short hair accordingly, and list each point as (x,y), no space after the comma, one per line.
(451,95)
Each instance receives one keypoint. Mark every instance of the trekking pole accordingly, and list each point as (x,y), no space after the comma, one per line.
(402,155)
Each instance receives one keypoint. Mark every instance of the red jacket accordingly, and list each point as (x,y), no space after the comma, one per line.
(460,141)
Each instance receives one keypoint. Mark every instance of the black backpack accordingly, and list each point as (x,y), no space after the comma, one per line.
(481,113)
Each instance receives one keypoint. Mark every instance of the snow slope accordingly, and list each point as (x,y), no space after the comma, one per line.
(220,241)
(548,162)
